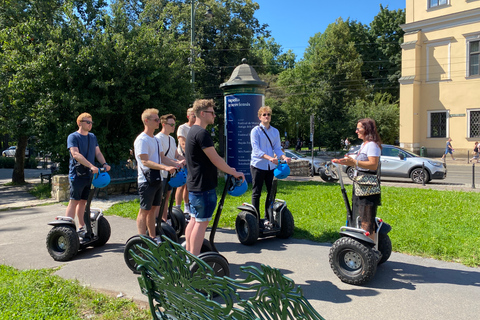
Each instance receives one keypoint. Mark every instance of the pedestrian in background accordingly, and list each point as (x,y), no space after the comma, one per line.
(449,149)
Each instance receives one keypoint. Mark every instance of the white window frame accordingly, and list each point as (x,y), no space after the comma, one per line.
(429,123)
(449,49)
(471,38)
(468,122)
(429,4)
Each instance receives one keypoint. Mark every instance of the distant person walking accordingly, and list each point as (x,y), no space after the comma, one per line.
(475,152)
(449,149)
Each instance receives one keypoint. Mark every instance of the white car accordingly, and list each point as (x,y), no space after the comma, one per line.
(10,152)
(317,162)
(398,162)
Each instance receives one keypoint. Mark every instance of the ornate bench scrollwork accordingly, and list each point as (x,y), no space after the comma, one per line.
(175,293)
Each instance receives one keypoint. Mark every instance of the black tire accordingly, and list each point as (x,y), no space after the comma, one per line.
(132,244)
(62,243)
(331,177)
(385,247)
(169,232)
(417,175)
(350,172)
(104,232)
(246,227)
(215,260)
(288,225)
(351,261)
(178,221)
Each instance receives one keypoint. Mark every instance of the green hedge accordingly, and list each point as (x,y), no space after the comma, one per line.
(9,162)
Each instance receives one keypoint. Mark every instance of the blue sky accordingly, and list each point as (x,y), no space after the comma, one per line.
(292,23)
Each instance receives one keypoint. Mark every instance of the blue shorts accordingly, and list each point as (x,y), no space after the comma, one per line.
(149,196)
(79,188)
(202,204)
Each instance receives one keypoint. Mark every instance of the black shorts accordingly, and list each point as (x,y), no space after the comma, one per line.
(149,196)
(79,188)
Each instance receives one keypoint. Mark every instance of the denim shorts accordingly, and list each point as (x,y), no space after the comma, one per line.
(79,188)
(149,196)
(202,204)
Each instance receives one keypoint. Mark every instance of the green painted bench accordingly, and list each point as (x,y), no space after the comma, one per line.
(175,293)
(121,173)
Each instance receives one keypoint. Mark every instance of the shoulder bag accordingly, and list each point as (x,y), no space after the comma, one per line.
(80,169)
(153,175)
(366,184)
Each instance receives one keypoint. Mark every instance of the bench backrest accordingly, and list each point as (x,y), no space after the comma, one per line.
(174,293)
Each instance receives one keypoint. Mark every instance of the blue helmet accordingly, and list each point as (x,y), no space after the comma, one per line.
(237,187)
(178,179)
(101,179)
(282,170)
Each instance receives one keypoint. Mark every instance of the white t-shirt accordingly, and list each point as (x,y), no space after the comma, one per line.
(182,131)
(144,144)
(168,144)
(368,149)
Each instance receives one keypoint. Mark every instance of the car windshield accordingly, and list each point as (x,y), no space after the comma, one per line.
(391,151)
(295,154)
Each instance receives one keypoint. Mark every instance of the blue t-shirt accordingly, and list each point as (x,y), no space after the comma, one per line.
(81,142)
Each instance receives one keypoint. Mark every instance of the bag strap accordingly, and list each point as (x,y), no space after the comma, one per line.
(271,144)
(88,148)
(166,153)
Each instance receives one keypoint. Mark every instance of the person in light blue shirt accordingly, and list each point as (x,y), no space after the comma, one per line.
(266,150)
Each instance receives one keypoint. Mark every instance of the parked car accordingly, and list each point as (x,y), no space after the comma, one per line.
(10,152)
(398,162)
(317,161)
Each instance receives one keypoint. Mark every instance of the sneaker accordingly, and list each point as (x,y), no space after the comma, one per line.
(187,208)
(157,239)
(81,232)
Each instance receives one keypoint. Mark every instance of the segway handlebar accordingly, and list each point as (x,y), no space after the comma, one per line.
(344,192)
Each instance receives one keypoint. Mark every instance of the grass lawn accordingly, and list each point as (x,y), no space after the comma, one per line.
(37,294)
(429,223)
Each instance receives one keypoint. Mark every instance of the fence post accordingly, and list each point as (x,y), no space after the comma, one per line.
(473,175)
(423,172)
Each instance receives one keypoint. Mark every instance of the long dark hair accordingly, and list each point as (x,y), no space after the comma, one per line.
(371,133)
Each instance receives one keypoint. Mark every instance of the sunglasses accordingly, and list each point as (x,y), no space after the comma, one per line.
(212,112)
(87,121)
(358,129)
(171,124)
(266,114)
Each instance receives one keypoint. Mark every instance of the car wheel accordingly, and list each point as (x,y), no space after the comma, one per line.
(418,176)
(351,172)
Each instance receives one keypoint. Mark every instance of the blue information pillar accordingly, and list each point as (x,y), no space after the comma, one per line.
(244,94)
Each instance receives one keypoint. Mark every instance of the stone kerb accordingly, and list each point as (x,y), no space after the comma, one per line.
(299,168)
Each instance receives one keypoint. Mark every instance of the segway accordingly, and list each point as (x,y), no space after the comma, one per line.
(63,241)
(161,228)
(354,257)
(176,218)
(208,252)
(327,172)
(278,219)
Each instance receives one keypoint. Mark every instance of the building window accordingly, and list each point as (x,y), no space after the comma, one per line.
(436,3)
(473,58)
(474,123)
(437,124)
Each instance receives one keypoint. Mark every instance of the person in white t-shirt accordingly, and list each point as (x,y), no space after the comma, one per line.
(150,157)
(182,132)
(170,150)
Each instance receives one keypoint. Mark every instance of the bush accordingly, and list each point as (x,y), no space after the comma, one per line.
(6,162)
(31,163)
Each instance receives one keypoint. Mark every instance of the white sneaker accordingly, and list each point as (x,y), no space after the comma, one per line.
(187,209)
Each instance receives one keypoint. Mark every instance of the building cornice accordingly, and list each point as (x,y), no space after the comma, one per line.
(444,22)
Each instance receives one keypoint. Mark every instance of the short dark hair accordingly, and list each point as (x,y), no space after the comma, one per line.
(165,117)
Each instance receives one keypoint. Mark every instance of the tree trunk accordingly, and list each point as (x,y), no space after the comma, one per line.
(18,175)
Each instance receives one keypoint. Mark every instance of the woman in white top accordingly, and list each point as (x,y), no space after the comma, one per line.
(366,162)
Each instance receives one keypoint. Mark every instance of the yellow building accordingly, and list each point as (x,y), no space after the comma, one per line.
(440,83)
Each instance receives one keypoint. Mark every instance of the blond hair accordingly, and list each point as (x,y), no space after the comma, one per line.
(263,110)
(83,116)
(147,113)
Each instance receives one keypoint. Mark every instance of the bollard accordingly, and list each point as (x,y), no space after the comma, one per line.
(473,175)
(423,172)
(468,156)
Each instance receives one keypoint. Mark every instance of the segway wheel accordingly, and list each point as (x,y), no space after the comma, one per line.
(327,176)
(62,243)
(352,262)
(246,227)
(385,247)
(178,221)
(216,261)
(132,243)
(288,225)
(104,232)
(169,231)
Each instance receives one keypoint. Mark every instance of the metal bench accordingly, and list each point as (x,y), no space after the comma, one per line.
(121,173)
(175,293)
